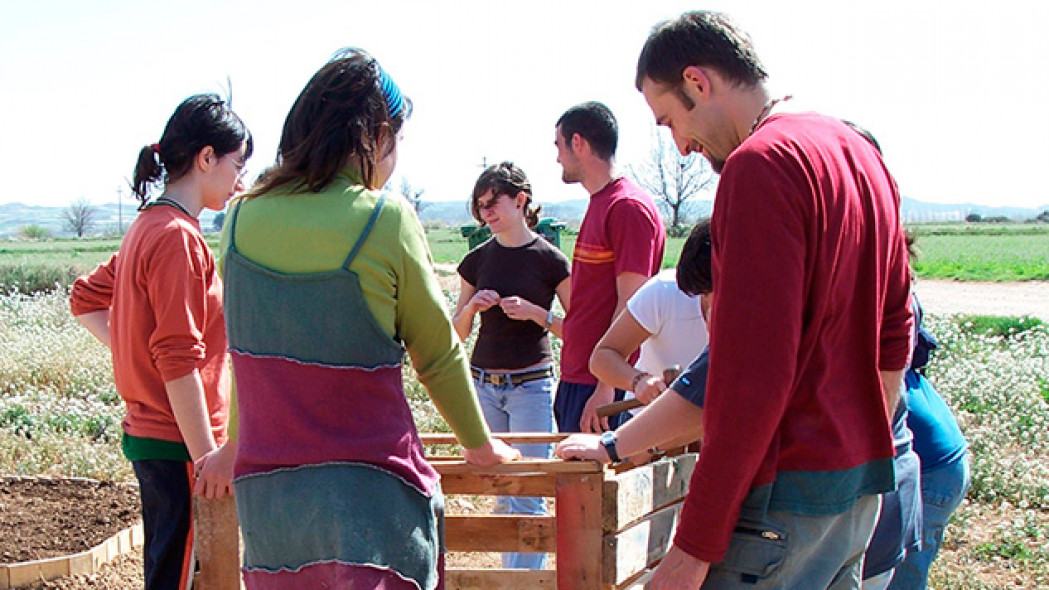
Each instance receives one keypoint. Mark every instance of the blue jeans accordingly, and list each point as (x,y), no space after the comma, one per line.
(527,407)
(943,489)
(788,550)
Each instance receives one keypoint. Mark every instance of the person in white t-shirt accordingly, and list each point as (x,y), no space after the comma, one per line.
(663,320)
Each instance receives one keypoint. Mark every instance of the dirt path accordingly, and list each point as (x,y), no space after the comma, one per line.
(1002,299)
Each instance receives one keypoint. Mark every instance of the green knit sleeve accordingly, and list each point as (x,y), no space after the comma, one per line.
(425,327)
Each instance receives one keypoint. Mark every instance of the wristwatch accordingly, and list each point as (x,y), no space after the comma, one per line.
(608,440)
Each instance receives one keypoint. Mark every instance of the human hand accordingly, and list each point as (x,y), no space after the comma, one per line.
(649,388)
(483,300)
(679,570)
(214,472)
(587,447)
(517,308)
(590,421)
(493,452)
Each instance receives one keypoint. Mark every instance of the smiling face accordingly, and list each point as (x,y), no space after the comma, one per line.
(501,212)
(695,122)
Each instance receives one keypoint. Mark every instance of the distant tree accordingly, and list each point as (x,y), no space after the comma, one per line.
(672,179)
(34,232)
(220,218)
(1043,216)
(80,216)
(974,218)
(413,194)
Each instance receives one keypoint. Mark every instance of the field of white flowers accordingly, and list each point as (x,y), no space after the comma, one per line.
(60,415)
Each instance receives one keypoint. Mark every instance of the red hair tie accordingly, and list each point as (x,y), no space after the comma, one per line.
(156,148)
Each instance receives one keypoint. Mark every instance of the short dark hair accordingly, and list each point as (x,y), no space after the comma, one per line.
(505,178)
(694,276)
(700,38)
(337,120)
(595,123)
(200,121)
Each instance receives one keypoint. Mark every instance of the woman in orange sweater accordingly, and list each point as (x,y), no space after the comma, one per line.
(157,304)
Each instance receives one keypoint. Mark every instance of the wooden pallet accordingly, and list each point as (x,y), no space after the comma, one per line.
(608,531)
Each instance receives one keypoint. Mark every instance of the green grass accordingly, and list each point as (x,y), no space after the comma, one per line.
(982,252)
(968,252)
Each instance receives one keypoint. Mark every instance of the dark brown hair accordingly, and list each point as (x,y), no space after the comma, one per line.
(200,121)
(505,178)
(337,120)
(700,38)
(694,276)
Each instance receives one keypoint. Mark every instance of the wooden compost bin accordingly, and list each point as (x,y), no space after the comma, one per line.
(608,530)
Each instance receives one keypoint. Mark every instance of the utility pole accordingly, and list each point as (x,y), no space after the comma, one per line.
(120,209)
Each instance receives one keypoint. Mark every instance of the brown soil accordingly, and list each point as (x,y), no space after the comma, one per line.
(44,518)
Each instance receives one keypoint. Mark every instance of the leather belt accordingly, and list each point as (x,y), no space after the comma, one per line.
(511,379)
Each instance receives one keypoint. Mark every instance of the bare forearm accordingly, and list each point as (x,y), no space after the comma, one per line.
(610,367)
(891,383)
(97,323)
(186,396)
(669,419)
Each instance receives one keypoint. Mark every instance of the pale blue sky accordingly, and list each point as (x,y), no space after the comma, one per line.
(955,94)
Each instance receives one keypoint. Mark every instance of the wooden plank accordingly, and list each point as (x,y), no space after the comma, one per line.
(28,572)
(498,532)
(639,583)
(496,579)
(630,495)
(447,438)
(445,466)
(578,509)
(635,549)
(216,543)
(489,484)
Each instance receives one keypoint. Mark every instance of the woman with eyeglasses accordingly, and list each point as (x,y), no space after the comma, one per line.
(511,281)
(328,282)
(157,304)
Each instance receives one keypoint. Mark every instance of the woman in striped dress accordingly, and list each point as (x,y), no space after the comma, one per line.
(328,282)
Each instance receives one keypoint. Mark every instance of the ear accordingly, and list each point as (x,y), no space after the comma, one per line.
(520,199)
(205,157)
(696,78)
(578,142)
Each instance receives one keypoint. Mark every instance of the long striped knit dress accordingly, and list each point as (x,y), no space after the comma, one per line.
(332,487)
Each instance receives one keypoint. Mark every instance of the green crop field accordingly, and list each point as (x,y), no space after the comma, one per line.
(983,252)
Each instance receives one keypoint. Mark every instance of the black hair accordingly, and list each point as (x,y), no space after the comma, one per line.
(595,123)
(200,121)
(336,120)
(694,276)
(864,133)
(700,38)
(505,178)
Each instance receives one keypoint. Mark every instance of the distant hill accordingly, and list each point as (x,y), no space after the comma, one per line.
(14,216)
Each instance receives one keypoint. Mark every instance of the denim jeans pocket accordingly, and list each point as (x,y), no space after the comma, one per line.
(755,552)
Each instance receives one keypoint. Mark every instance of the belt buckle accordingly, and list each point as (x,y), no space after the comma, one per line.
(498,380)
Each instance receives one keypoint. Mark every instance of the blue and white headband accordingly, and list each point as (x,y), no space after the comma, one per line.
(394,98)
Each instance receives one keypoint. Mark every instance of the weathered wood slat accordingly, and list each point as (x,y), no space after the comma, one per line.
(489,484)
(447,438)
(489,532)
(633,550)
(579,531)
(456,465)
(638,583)
(473,579)
(630,495)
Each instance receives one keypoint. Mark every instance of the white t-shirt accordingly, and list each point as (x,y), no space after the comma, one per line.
(675,321)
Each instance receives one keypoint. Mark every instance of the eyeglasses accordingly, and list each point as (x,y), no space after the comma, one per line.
(490,204)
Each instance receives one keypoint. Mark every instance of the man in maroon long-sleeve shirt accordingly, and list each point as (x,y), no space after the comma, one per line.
(810,323)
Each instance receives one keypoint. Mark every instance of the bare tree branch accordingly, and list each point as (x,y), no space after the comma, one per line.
(672,179)
(80,216)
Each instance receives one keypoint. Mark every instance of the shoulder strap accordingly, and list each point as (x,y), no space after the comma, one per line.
(367,230)
(233,224)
